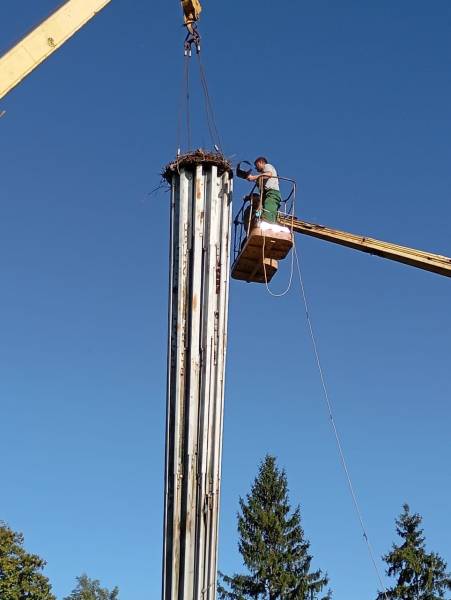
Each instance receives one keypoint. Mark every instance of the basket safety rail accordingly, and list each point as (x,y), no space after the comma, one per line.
(252,202)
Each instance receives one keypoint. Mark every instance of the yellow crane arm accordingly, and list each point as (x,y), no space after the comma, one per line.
(45,39)
(409,256)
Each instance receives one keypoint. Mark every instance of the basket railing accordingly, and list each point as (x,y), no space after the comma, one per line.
(245,218)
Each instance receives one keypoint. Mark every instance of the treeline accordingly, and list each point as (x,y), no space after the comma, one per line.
(278,563)
(275,553)
(21,575)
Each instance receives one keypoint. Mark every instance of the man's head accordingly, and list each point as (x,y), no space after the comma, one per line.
(260,163)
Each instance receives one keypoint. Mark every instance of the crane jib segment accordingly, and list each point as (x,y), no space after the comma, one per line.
(45,39)
(434,263)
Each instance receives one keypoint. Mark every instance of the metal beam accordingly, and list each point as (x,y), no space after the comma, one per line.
(435,263)
(44,40)
(199,283)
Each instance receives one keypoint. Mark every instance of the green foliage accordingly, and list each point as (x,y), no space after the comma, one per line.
(89,589)
(420,576)
(272,545)
(20,572)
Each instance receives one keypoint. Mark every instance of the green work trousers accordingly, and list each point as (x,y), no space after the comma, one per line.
(271,204)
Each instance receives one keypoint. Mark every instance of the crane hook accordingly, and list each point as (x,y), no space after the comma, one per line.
(191,13)
(192,37)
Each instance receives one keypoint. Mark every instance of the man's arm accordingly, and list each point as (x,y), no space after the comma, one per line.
(261,175)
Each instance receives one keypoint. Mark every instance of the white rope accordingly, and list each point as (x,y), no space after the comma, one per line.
(334,426)
(290,281)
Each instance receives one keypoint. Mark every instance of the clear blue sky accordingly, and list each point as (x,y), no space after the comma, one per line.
(353,99)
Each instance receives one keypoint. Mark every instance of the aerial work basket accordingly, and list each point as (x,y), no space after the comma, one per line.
(263,247)
(259,245)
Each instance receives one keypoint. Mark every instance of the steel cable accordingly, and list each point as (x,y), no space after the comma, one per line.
(185,100)
(188,121)
(209,106)
(180,109)
(184,106)
(207,110)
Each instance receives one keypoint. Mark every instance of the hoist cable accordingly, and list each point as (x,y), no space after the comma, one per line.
(182,100)
(208,103)
(188,122)
(334,426)
(209,121)
(184,106)
(185,100)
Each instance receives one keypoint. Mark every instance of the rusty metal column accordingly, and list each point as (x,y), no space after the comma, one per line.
(198,303)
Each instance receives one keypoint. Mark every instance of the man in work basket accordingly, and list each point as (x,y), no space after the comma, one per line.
(268,183)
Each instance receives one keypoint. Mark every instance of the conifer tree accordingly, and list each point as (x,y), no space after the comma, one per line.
(419,575)
(272,545)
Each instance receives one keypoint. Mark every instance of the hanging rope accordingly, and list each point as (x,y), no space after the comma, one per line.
(184,107)
(188,122)
(334,426)
(211,121)
(208,116)
(185,103)
(290,280)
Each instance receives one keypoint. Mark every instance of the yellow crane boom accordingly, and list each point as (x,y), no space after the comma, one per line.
(44,40)
(258,249)
(409,256)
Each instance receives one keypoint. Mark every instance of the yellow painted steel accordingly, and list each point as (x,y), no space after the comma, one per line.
(45,39)
(434,263)
(191,10)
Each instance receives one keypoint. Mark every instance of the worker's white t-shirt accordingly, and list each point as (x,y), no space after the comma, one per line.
(271,183)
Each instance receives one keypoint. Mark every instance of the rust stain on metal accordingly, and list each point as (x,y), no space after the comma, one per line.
(218,277)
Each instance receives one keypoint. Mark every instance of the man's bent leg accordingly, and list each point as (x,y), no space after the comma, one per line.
(271,204)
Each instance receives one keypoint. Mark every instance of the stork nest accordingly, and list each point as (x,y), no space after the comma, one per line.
(197,157)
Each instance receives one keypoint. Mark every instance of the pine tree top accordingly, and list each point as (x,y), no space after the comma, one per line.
(419,575)
(272,544)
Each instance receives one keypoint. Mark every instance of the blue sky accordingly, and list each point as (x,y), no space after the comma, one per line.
(353,100)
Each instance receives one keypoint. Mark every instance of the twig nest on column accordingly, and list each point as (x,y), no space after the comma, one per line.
(197,157)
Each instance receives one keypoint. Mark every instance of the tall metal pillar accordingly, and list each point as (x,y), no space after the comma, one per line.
(198,305)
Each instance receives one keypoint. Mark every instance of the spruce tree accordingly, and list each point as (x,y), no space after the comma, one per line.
(272,545)
(419,575)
